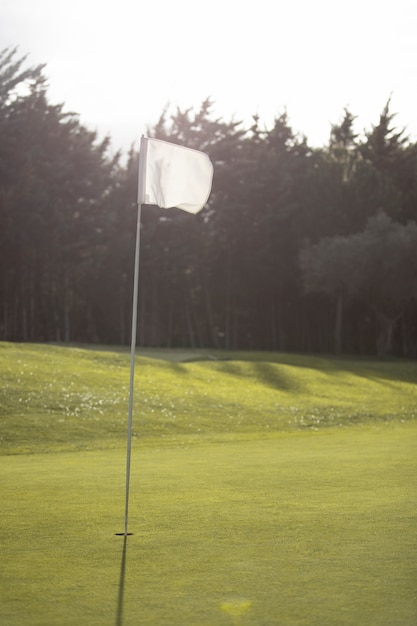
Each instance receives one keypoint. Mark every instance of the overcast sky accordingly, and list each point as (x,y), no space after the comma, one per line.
(119,63)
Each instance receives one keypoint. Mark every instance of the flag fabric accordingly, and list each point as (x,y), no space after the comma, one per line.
(173,176)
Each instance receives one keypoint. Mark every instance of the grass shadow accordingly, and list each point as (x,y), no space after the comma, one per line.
(119,612)
(371,367)
(269,374)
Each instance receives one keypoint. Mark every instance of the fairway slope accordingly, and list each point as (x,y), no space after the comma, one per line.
(62,398)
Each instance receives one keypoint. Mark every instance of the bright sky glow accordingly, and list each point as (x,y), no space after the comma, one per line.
(118,64)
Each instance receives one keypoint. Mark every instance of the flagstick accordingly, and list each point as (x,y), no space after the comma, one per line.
(132,367)
(142,165)
(205,173)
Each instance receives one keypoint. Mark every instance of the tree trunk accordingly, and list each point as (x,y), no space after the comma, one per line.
(338,325)
(67,309)
(209,313)
(384,342)
(190,330)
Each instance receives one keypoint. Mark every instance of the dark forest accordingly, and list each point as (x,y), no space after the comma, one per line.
(299,249)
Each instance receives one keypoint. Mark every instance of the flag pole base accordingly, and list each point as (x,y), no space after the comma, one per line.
(123,534)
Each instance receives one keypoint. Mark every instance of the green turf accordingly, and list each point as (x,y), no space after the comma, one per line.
(57,398)
(279,490)
(307,528)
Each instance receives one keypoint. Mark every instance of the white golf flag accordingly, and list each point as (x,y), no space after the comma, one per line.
(173,176)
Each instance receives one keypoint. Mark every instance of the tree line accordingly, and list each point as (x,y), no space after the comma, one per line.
(298,249)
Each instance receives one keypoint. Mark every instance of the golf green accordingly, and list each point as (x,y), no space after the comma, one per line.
(303,528)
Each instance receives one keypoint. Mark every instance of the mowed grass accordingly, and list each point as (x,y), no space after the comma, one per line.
(58,398)
(266,489)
